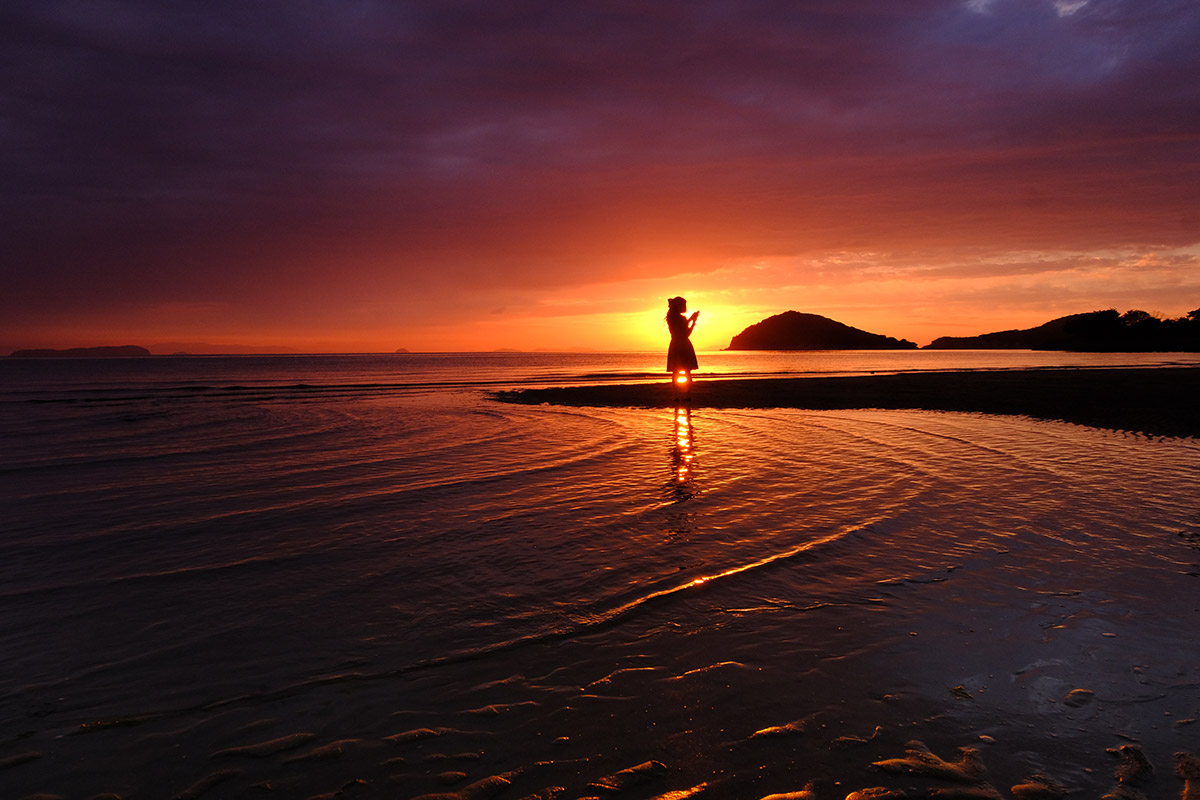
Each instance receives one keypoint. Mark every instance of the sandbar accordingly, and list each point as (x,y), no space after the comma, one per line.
(1158,401)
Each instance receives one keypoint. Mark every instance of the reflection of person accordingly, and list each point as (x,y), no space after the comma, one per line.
(681,356)
(681,454)
(682,485)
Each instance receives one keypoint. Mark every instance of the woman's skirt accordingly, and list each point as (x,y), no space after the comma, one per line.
(681,356)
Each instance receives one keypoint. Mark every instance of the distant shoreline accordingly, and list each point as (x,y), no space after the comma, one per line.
(1157,401)
(105,351)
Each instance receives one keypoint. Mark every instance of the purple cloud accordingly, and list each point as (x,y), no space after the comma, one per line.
(215,151)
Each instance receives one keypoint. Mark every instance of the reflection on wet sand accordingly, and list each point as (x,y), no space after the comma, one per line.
(682,456)
(680,487)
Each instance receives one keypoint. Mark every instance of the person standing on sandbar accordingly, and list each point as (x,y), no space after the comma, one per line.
(681,356)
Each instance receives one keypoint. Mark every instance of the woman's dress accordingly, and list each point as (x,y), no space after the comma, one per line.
(681,356)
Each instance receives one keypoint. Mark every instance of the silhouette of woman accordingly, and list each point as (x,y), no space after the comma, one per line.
(681,356)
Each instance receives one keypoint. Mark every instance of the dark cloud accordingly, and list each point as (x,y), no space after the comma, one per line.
(216,150)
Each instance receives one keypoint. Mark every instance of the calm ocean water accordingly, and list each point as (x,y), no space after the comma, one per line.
(203,553)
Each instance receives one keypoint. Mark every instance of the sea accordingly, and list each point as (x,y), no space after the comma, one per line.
(322,576)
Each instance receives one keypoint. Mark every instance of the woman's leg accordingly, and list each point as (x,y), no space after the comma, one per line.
(682,380)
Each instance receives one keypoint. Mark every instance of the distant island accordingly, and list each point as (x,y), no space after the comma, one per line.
(400,351)
(120,351)
(1105,331)
(793,330)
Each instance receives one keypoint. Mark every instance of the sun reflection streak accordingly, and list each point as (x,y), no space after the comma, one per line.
(682,455)
(681,487)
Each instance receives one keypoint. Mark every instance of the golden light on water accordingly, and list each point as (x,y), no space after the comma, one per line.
(683,445)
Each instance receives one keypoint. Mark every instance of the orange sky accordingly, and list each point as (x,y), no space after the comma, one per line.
(471,176)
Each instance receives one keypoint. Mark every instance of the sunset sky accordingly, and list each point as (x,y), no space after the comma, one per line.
(365,175)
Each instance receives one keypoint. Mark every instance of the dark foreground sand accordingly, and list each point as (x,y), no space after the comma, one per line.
(1157,401)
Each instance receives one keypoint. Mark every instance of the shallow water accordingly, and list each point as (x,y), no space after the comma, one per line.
(186,567)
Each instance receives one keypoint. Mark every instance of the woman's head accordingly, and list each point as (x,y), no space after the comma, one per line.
(676,305)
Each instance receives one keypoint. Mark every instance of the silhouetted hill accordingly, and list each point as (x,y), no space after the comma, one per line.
(793,330)
(123,351)
(1095,332)
(1043,337)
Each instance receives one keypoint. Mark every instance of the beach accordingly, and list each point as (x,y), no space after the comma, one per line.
(344,453)
(1148,400)
(350,578)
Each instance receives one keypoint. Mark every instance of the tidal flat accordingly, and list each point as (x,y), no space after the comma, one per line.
(348,591)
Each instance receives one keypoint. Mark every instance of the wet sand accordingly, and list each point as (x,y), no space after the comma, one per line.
(1010,628)
(1155,401)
